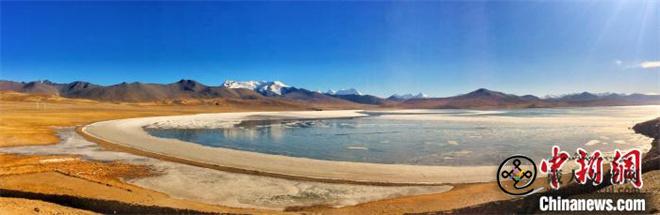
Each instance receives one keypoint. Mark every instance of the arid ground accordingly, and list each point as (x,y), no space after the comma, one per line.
(35,184)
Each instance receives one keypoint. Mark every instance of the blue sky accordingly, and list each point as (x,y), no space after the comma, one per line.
(381,48)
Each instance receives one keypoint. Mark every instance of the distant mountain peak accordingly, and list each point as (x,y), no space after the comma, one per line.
(343,92)
(46,82)
(585,93)
(530,97)
(190,85)
(263,87)
(408,96)
(584,96)
(78,85)
(483,92)
(182,81)
(130,83)
(79,82)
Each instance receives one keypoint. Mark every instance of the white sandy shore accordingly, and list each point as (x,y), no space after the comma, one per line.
(130,133)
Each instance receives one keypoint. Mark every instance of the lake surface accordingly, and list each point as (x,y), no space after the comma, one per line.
(433,137)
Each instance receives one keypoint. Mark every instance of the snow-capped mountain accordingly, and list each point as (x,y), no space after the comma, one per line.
(344,92)
(408,96)
(263,87)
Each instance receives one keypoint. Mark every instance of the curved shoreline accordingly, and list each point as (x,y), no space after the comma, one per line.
(128,135)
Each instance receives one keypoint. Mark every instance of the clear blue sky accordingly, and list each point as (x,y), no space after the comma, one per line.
(381,48)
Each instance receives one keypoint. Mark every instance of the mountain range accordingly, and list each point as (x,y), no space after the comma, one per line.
(397,97)
(276,92)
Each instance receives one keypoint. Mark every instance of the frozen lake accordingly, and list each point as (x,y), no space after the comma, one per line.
(431,137)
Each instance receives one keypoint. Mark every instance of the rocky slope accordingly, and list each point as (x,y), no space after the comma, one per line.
(651,129)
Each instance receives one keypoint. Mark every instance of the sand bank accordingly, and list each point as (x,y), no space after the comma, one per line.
(130,133)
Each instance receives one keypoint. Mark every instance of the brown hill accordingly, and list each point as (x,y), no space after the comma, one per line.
(487,99)
(317,99)
(480,98)
(42,87)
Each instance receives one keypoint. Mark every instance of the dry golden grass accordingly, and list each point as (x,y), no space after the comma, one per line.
(18,206)
(69,175)
(30,119)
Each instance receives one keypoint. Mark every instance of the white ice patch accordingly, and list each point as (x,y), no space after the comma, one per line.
(460,153)
(224,188)
(620,142)
(592,142)
(229,120)
(357,148)
(56,160)
(192,124)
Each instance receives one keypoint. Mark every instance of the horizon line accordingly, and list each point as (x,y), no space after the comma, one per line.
(318,91)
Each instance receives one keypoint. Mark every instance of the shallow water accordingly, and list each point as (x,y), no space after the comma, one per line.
(433,137)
